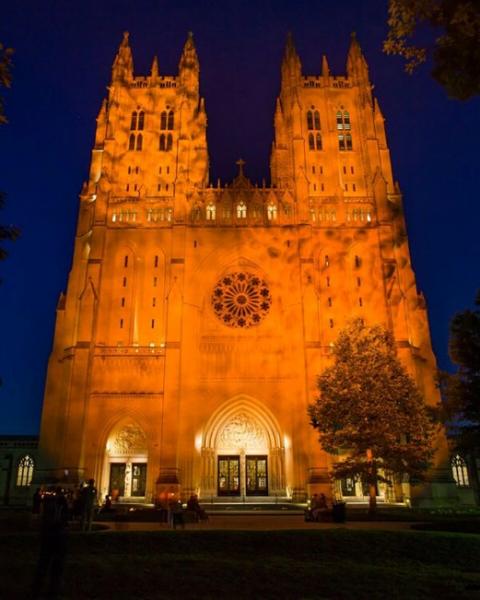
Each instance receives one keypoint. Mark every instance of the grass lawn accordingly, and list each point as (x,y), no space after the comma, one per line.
(254,564)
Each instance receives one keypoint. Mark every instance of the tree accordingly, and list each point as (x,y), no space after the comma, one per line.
(7,232)
(369,412)
(456,48)
(462,389)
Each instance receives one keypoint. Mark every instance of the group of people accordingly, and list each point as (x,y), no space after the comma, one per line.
(177,514)
(77,505)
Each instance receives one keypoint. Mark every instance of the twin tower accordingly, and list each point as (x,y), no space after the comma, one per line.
(197,318)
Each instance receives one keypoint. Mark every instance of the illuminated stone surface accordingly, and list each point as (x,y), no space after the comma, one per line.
(197,318)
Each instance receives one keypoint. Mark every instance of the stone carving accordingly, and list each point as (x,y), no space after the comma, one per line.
(241,433)
(129,440)
(241,299)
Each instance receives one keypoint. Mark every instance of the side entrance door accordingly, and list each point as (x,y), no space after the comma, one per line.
(228,475)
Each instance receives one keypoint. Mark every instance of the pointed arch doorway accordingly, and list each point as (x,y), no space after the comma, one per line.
(125,466)
(242,453)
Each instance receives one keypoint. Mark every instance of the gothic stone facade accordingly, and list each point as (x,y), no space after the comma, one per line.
(197,318)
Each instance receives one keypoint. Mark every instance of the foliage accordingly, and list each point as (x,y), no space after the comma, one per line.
(370,410)
(5,74)
(462,390)
(456,49)
(7,232)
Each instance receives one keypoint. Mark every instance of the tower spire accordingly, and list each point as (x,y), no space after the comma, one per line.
(325,67)
(189,67)
(122,69)
(291,64)
(357,68)
(154,69)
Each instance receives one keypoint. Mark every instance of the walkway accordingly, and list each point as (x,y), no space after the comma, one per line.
(260,523)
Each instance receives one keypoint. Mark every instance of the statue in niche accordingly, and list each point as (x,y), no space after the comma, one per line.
(240,432)
(129,440)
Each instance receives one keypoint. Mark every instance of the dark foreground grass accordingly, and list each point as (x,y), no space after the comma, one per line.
(254,564)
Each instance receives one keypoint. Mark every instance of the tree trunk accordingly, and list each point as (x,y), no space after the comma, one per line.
(372,485)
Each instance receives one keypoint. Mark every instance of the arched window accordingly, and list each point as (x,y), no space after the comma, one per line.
(141,119)
(272,211)
(313,122)
(133,121)
(241,210)
(169,142)
(344,141)
(131,142)
(460,471)
(170,120)
(309,120)
(343,124)
(25,471)
(163,120)
(211,212)
(139,141)
(163,145)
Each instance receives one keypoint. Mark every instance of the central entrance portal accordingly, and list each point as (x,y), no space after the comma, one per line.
(242,452)
(235,475)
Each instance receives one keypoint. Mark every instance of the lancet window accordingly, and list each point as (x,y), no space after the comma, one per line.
(166,120)
(135,142)
(25,471)
(313,125)
(272,211)
(313,119)
(241,210)
(344,127)
(211,212)
(166,142)
(343,120)
(460,471)
(137,120)
(155,215)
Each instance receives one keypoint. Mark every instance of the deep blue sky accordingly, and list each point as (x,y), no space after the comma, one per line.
(63,55)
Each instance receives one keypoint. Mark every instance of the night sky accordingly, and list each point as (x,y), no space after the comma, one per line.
(63,56)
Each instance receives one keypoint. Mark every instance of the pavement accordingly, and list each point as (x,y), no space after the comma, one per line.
(259,523)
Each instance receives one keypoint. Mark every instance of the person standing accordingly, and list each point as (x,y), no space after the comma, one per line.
(53,543)
(89,504)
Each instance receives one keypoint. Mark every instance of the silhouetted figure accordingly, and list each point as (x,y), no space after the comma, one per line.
(53,543)
(175,514)
(107,505)
(88,498)
(318,508)
(194,507)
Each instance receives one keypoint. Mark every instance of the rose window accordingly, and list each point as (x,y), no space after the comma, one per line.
(241,299)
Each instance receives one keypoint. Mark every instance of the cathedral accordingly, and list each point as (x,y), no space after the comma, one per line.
(198,317)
